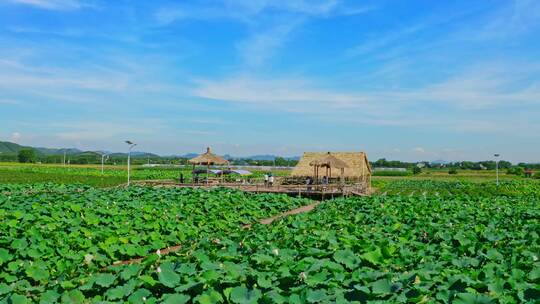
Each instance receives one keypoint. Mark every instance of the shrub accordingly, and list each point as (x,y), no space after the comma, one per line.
(537,175)
(452,171)
(391,173)
(516,171)
(416,170)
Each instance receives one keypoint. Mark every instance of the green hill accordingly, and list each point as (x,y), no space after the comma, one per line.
(9,147)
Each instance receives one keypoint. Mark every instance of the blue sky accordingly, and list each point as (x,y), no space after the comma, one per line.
(408,80)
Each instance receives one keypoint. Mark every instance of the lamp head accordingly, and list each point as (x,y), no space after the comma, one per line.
(129,142)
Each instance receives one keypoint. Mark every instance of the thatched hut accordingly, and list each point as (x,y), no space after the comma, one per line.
(328,162)
(207,159)
(357,169)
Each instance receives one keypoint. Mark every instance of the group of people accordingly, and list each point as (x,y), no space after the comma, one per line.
(310,181)
(268,180)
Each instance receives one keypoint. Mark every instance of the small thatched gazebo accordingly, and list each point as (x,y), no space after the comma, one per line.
(328,161)
(208,159)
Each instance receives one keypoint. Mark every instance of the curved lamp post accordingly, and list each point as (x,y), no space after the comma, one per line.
(103,157)
(131,146)
(497,166)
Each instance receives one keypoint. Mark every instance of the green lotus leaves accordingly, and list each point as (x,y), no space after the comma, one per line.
(4,256)
(399,249)
(37,272)
(140,296)
(467,298)
(73,297)
(347,258)
(167,276)
(242,295)
(49,297)
(374,257)
(315,296)
(175,299)
(105,279)
(381,287)
(4,289)
(19,299)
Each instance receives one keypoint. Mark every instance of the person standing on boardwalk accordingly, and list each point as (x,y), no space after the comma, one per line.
(266,179)
(271,180)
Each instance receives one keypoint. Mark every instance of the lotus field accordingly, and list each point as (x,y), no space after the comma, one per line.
(79,244)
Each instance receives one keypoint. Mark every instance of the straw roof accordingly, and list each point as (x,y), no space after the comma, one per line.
(329,161)
(357,163)
(208,159)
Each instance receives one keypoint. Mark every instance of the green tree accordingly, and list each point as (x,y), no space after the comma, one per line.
(416,170)
(27,156)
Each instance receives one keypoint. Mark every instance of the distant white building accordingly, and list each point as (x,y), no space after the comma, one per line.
(389,169)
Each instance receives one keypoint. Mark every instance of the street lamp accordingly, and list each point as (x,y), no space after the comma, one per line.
(131,146)
(497,166)
(103,156)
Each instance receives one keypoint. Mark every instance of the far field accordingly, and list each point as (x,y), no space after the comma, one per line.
(117,175)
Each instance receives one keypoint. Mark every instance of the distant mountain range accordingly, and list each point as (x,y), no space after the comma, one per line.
(13,148)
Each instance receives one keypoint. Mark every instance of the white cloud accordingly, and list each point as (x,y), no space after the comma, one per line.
(80,84)
(486,86)
(15,137)
(483,99)
(287,93)
(55,4)
(419,150)
(480,87)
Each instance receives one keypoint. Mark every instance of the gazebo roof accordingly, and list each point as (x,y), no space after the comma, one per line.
(329,161)
(208,158)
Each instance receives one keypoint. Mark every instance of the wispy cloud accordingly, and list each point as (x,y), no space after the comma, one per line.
(478,87)
(245,11)
(56,4)
(257,49)
(515,18)
(9,101)
(373,44)
(467,94)
(78,83)
(288,93)
(268,33)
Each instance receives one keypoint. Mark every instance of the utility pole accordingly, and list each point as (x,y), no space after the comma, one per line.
(131,146)
(64,161)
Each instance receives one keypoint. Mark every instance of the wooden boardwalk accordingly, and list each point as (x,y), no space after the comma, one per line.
(323,191)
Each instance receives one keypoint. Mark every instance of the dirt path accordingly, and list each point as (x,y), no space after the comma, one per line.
(266,221)
(302,209)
